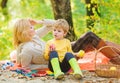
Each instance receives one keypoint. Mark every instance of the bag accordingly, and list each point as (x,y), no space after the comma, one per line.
(88,61)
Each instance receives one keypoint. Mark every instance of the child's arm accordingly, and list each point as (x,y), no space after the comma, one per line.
(46,54)
(48,48)
(79,54)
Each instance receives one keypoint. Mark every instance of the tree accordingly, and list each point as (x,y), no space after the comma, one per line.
(4,9)
(4,3)
(62,9)
(90,13)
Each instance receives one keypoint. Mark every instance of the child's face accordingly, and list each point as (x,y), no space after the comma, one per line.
(58,33)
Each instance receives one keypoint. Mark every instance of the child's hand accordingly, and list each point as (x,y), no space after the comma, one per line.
(52,47)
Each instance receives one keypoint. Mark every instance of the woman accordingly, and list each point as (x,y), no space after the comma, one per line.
(28,42)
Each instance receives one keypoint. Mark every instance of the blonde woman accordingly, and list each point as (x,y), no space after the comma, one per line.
(28,42)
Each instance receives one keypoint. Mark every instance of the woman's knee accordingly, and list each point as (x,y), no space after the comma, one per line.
(89,33)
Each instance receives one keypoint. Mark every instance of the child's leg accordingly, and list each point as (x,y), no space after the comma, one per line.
(54,63)
(74,64)
(65,66)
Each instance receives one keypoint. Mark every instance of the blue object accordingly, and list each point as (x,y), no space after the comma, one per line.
(25,73)
(7,64)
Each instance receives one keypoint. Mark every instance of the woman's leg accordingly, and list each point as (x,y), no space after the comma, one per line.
(88,39)
(116,49)
(115,46)
(91,39)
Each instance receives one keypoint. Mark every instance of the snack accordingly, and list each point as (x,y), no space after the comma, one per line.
(112,68)
(81,53)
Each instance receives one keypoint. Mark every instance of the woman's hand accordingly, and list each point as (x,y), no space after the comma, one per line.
(34,22)
(48,22)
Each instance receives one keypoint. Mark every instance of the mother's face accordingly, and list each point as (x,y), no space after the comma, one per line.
(31,31)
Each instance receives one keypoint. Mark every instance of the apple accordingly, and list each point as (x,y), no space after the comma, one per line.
(81,53)
(113,68)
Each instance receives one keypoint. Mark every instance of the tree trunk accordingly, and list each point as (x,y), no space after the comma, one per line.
(4,9)
(62,9)
(89,8)
(3,3)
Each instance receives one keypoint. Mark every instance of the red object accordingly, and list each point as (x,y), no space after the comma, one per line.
(16,66)
(40,73)
(52,47)
(88,61)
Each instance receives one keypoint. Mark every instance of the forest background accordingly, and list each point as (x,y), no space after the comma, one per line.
(106,25)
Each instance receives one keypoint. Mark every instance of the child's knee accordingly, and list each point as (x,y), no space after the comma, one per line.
(69,55)
(53,54)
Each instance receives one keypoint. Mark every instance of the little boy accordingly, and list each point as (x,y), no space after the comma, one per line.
(59,53)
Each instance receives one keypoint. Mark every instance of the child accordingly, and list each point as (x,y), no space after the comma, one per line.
(59,53)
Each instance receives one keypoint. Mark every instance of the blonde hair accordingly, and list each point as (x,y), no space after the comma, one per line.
(20,33)
(62,23)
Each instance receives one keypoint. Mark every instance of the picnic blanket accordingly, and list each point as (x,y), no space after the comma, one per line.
(8,65)
(85,63)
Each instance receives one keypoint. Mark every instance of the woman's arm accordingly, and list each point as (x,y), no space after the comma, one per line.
(47,26)
(41,32)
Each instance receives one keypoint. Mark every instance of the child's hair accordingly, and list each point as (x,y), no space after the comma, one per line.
(21,34)
(62,23)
